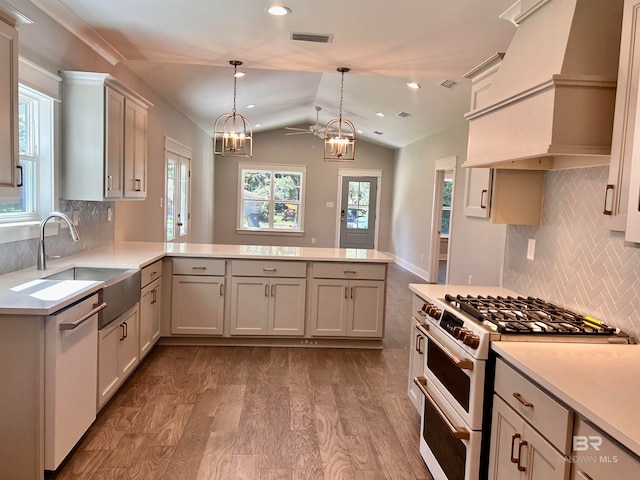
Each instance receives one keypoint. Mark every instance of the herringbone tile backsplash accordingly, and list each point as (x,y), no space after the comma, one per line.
(579,263)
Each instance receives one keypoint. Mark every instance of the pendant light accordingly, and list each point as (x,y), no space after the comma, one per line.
(232,133)
(340,134)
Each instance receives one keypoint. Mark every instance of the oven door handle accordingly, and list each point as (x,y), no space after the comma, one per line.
(460,433)
(461,363)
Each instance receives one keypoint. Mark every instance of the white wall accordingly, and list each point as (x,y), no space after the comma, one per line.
(274,147)
(476,245)
(52,47)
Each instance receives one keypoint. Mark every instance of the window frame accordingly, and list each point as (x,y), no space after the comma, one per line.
(273,169)
(446,208)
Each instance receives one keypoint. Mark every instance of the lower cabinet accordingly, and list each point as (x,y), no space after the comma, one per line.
(197,306)
(267,306)
(150,310)
(347,308)
(118,353)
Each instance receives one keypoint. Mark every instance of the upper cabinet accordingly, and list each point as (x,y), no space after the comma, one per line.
(620,189)
(104,139)
(552,100)
(10,170)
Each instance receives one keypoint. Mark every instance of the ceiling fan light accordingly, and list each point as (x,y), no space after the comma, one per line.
(232,133)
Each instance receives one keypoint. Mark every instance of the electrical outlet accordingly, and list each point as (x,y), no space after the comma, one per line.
(531,249)
(329,204)
(470,277)
(313,239)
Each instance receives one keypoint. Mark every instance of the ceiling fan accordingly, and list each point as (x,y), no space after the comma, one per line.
(316,128)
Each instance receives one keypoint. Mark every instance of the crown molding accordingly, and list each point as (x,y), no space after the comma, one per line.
(78,27)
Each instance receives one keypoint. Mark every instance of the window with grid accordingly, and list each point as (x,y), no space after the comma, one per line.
(271,198)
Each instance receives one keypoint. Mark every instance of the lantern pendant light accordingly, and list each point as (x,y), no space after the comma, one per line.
(340,134)
(232,133)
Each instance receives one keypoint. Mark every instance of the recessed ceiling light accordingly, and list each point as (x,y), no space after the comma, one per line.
(278,10)
(238,74)
(251,105)
(380,114)
(413,85)
(257,125)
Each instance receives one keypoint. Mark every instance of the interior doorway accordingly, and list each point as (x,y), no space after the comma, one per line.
(177,191)
(443,190)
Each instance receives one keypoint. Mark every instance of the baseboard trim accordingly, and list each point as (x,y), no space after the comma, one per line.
(411,267)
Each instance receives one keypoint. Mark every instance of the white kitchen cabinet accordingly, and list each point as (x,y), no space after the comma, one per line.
(197,297)
(530,431)
(477,192)
(347,300)
(150,306)
(625,122)
(417,344)
(104,138)
(347,308)
(118,353)
(10,170)
(267,306)
(598,457)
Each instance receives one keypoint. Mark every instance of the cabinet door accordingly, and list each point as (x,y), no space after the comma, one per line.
(477,192)
(128,343)
(9,160)
(249,305)
(114,134)
(417,344)
(149,316)
(366,308)
(135,150)
(197,305)
(329,307)
(506,434)
(543,461)
(286,306)
(108,374)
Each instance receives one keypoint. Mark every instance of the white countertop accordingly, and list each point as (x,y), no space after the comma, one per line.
(429,290)
(599,382)
(25,292)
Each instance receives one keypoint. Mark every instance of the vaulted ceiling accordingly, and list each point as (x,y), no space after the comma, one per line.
(182,48)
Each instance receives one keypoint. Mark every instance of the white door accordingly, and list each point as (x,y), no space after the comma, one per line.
(178,197)
(358,212)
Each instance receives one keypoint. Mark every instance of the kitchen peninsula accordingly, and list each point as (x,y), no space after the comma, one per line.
(190,294)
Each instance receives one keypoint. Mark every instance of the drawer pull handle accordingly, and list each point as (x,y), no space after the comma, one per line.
(350,272)
(269,269)
(198,268)
(153,274)
(421,313)
(515,437)
(523,443)
(419,349)
(522,400)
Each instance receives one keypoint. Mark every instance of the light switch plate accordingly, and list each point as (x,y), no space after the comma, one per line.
(329,204)
(531,248)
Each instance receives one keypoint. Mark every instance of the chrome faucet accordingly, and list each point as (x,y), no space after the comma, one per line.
(42,257)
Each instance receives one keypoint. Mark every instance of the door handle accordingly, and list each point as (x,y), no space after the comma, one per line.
(515,437)
(342,215)
(523,443)
(460,433)
(20,183)
(483,195)
(608,205)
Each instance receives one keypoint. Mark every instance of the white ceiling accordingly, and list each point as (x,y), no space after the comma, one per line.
(182,48)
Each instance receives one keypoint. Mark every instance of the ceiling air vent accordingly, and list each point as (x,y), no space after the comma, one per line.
(448,84)
(378,132)
(403,114)
(312,37)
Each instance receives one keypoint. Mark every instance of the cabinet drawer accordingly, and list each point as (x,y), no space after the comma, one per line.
(268,268)
(550,418)
(198,266)
(604,460)
(150,273)
(370,271)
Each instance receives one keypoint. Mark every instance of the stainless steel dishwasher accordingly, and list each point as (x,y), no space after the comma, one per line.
(71,376)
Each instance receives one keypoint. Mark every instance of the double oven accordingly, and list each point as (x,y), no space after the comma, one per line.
(458,370)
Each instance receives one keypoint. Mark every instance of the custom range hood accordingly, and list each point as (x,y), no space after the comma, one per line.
(550,103)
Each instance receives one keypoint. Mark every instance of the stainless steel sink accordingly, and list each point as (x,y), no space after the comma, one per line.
(121,288)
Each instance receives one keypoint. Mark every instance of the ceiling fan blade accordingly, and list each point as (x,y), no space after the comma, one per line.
(298,133)
(296,129)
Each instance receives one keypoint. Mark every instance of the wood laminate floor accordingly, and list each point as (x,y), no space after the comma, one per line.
(257,413)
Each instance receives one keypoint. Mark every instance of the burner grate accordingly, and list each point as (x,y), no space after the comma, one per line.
(528,315)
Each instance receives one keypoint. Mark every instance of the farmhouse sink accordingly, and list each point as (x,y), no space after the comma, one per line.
(121,288)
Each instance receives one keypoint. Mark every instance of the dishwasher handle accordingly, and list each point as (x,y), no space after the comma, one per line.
(84,318)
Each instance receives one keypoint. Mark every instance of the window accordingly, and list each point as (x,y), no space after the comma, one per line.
(271,198)
(35,147)
(446,207)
